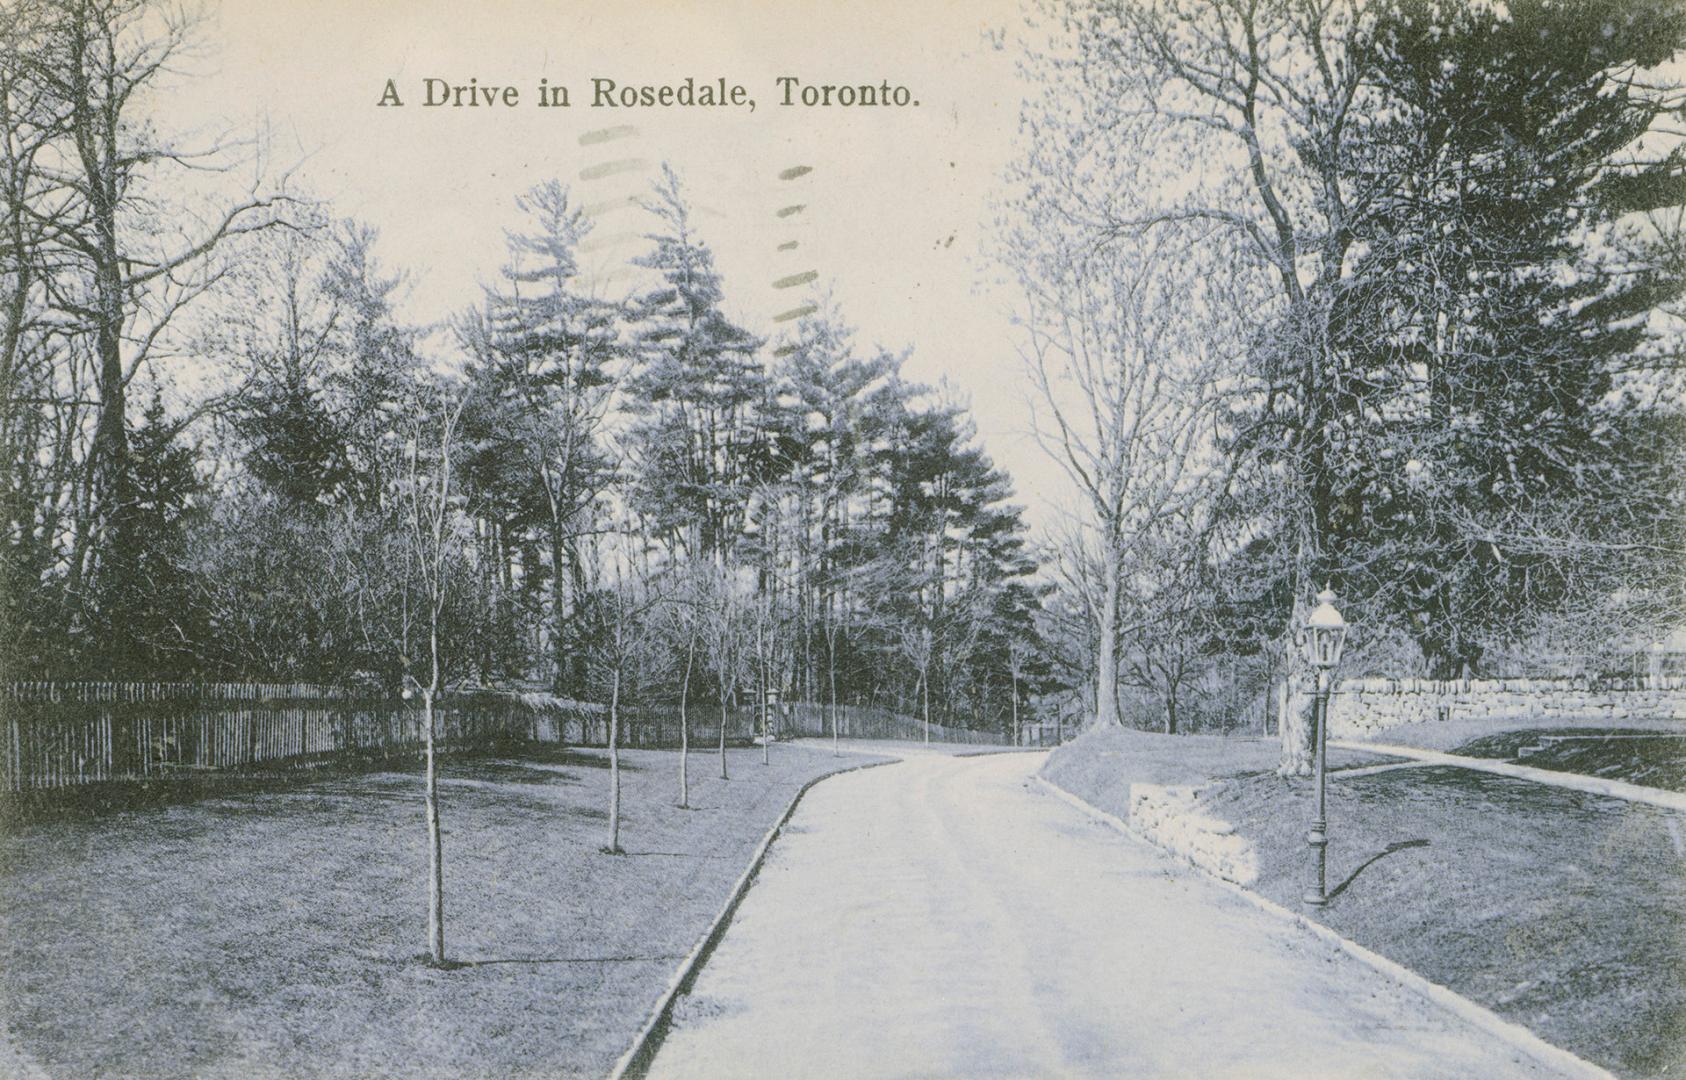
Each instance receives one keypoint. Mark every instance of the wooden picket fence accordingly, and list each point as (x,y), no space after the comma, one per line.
(657,726)
(813,720)
(55,735)
(68,734)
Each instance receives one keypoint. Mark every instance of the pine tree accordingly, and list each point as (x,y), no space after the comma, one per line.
(146,616)
(1481,340)
(948,543)
(693,393)
(828,394)
(542,381)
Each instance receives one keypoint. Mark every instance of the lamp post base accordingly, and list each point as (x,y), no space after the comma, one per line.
(1318,839)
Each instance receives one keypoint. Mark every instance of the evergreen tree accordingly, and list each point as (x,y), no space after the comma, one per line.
(948,544)
(373,384)
(693,393)
(296,452)
(542,381)
(330,378)
(1483,334)
(147,620)
(827,392)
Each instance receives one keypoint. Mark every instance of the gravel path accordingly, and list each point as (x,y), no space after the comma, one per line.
(941,918)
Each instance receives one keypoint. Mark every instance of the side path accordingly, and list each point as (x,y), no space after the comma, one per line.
(941,918)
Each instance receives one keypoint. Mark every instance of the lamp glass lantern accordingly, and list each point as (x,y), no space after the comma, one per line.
(1325,632)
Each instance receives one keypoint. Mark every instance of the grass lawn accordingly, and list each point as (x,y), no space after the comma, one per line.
(1562,911)
(1653,758)
(281,932)
(1106,763)
(1454,734)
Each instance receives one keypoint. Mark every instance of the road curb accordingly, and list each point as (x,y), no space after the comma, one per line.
(635,1062)
(1482,1017)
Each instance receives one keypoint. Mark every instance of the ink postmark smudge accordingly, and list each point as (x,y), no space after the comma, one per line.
(612,197)
(801,277)
(796,312)
(609,206)
(613,168)
(608,134)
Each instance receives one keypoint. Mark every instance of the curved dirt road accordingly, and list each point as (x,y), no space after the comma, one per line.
(941,917)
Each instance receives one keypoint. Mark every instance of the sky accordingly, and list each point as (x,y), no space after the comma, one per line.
(896,204)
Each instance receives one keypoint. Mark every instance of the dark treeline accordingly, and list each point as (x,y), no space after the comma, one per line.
(630,495)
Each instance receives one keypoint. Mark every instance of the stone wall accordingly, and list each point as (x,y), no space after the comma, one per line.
(1362,707)
(1172,818)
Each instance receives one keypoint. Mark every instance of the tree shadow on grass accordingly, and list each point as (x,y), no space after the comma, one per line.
(355,774)
(238,791)
(507,772)
(455,964)
(676,854)
(546,758)
(1382,854)
(663,958)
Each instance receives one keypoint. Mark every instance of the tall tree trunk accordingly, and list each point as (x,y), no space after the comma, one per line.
(111,436)
(685,727)
(1296,725)
(831,673)
(435,851)
(1106,658)
(925,696)
(766,719)
(1017,736)
(111,525)
(723,696)
(614,847)
(558,608)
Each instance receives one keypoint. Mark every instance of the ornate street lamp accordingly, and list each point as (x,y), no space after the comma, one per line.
(1325,633)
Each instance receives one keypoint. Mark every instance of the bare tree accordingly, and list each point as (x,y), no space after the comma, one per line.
(1168,611)
(1119,344)
(723,640)
(41,400)
(105,237)
(1019,652)
(31,120)
(763,614)
(1345,182)
(627,607)
(776,628)
(100,59)
(833,620)
(431,508)
(841,615)
(1270,99)
(684,621)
